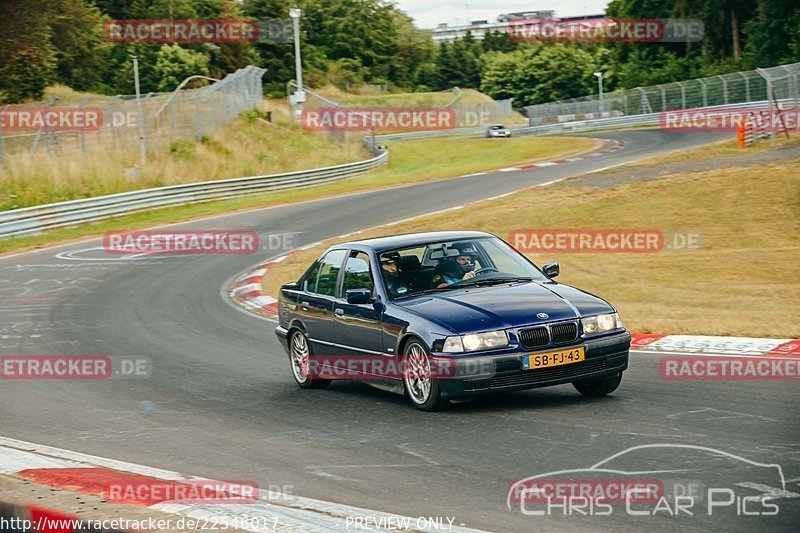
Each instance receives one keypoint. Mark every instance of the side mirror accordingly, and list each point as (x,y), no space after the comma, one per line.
(291,285)
(358,296)
(551,270)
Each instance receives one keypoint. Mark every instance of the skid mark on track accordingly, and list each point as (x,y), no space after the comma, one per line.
(714,414)
(405,449)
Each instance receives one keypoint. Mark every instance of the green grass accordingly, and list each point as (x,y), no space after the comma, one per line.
(409,161)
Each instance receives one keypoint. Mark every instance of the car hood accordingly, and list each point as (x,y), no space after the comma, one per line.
(506,306)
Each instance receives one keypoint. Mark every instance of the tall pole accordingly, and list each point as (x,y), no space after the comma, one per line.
(140,112)
(299,95)
(599,76)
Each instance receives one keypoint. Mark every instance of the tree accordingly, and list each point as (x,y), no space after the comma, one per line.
(538,74)
(174,64)
(81,51)
(27,58)
(497,41)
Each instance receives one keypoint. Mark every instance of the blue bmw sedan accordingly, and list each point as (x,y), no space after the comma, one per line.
(445,315)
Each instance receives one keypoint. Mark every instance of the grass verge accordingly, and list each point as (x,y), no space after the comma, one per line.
(409,161)
(742,282)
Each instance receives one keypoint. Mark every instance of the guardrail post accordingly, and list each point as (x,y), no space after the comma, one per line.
(724,89)
(198,130)
(705,91)
(82,131)
(111,121)
(147,145)
(2,144)
(746,86)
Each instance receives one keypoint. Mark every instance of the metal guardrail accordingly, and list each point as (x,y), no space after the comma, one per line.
(34,220)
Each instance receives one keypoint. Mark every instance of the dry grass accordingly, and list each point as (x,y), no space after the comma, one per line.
(242,148)
(721,150)
(743,281)
(468,96)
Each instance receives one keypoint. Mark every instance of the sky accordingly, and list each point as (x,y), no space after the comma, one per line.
(429,13)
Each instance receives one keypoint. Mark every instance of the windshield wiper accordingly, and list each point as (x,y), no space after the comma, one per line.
(428,291)
(493,281)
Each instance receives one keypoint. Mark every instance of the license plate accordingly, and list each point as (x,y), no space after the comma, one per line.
(561,357)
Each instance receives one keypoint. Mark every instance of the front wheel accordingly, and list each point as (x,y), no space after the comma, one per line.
(300,359)
(598,387)
(421,386)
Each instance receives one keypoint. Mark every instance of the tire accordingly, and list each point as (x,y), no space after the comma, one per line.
(420,386)
(299,352)
(598,387)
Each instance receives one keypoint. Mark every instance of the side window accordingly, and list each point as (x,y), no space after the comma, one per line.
(329,272)
(356,273)
(310,279)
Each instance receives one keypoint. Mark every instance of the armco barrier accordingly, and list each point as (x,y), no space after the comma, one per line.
(35,220)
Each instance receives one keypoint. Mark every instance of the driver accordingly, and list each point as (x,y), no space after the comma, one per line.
(455,269)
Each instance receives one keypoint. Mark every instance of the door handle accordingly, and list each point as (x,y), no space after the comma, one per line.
(339,312)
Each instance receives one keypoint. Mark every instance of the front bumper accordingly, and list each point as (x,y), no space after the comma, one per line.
(468,376)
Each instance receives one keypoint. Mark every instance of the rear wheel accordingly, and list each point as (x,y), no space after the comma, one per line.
(421,386)
(300,359)
(598,387)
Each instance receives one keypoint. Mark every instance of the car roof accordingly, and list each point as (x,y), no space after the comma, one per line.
(405,240)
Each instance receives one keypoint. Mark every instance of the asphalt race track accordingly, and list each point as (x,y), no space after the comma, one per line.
(221,402)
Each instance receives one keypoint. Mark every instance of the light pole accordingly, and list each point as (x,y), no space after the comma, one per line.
(599,76)
(140,113)
(299,94)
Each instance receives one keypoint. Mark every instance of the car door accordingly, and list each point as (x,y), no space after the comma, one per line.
(315,308)
(357,327)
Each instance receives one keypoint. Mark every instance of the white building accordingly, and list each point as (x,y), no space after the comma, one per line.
(447,33)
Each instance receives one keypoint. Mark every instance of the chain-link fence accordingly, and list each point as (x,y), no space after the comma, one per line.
(375,114)
(777,86)
(123,123)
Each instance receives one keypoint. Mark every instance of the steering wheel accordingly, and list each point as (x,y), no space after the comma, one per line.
(484,270)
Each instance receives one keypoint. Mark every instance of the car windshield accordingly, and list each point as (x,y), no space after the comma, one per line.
(498,127)
(453,264)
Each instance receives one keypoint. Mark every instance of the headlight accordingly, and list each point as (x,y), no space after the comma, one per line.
(601,323)
(475,341)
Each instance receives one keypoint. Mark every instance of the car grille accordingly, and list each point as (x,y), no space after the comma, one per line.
(534,337)
(565,332)
(540,336)
(543,375)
